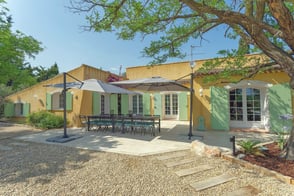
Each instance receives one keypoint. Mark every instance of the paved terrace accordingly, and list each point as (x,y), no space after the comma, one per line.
(173,136)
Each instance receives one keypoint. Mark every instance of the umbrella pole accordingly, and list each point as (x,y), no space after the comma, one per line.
(191,107)
(64,106)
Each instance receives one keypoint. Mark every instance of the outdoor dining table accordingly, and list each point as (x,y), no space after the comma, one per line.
(123,121)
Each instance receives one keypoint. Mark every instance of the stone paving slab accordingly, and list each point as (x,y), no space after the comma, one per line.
(19,144)
(171,156)
(5,148)
(210,182)
(181,162)
(247,190)
(194,170)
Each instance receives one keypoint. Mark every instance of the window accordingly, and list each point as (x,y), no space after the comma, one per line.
(245,104)
(119,104)
(236,104)
(167,104)
(175,104)
(171,104)
(57,101)
(102,104)
(18,109)
(137,104)
(253,104)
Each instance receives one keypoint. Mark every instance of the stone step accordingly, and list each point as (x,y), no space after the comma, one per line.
(180,162)
(190,171)
(210,182)
(171,156)
(246,190)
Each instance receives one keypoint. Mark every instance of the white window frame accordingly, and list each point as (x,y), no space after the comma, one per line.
(18,109)
(139,104)
(171,116)
(56,102)
(262,86)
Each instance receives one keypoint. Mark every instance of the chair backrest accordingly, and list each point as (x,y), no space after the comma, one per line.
(83,119)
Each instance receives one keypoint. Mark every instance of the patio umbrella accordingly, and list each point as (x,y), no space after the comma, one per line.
(93,85)
(152,84)
(99,86)
(90,85)
(158,84)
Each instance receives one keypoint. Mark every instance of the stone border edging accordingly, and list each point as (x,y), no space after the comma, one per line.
(260,169)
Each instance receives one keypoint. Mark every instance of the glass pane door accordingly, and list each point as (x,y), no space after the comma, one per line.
(245,107)
(171,109)
(253,104)
(137,104)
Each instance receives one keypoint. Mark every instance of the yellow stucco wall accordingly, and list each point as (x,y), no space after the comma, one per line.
(173,71)
(82,100)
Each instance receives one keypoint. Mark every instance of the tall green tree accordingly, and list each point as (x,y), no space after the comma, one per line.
(44,74)
(261,25)
(15,49)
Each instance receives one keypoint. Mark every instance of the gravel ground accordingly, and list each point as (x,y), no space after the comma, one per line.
(47,169)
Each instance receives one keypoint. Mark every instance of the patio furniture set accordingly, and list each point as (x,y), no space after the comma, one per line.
(123,123)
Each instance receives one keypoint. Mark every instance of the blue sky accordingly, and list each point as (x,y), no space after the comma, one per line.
(65,42)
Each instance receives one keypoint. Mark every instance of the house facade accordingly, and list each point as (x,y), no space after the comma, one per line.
(43,97)
(251,104)
(255,103)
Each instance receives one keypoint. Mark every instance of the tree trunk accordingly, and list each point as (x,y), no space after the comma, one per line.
(289,149)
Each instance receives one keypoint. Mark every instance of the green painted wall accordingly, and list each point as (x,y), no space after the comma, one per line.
(9,109)
(157,104)
(183,106)
(68,101)
(146,103)
(26,109)
(124,104)
(113,104)
(280,103)
(96,103)
(48,101)
(219,108)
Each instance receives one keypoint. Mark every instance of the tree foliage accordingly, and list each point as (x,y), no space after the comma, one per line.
(15,48)
(260,25)
(43,74)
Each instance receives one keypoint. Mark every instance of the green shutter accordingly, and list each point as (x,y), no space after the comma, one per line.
(219,108)
(68,101)
(113,104)
(124,104)
(96,103)
(8,109)
(48,101)
(26,109)
(280,103)
(183,106)
(157,104)
(146,103)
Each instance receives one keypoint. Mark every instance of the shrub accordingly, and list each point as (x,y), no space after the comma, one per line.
(282,139)
(250,147)
(45,120)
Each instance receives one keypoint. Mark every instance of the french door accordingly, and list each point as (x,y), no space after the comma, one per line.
(171,109)
(246,107)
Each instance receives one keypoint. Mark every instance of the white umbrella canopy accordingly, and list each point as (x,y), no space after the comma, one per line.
(99,86)
(152,84)
(94,85)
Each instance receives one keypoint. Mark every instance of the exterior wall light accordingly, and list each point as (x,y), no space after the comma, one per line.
(201,92)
